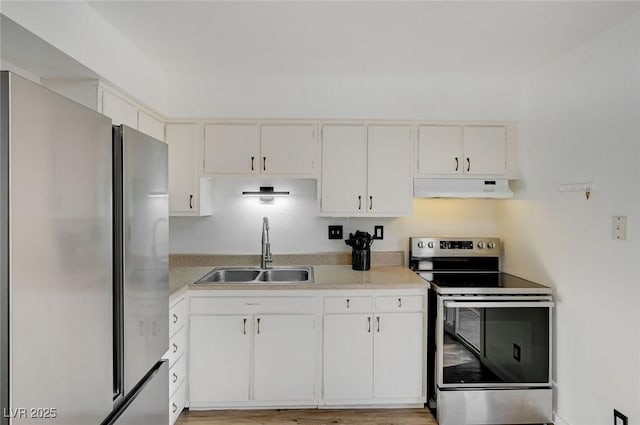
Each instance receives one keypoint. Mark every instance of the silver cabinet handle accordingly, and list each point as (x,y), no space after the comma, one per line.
(359,202)
(175,318)
(400,302)
(244,326)
(175,378)
(369,324)
(175,348)
(258,323)
(370,202)
(378,323)
(457,164)
(348,303)
(468,164)
(173,408)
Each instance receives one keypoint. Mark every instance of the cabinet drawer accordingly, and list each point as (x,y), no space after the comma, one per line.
(348,304)
(177,373)
(177,316)
(400,303)
(249,305)
(177,345)
(176,403)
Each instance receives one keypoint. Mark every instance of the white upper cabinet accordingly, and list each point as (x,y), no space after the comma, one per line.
(366,170)
(287,149)
(389,177)
(231,149)
(485,149)
(150,126)
(344,169)
(189,194)
(462,150)
(119,110)
(251,148)
(109,101)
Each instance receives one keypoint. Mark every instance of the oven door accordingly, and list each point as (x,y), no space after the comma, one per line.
(493,341)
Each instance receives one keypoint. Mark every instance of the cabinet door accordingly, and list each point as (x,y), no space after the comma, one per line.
(485,150)
(151,126)
(287,149)
(390,185)
(181,139)
(439,149)
(348,359)
(219,359)
(398,359)
(284,359)
(231,148)
(119,110)
(344,169)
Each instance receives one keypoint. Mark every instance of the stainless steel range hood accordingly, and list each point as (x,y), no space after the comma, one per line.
(461,188)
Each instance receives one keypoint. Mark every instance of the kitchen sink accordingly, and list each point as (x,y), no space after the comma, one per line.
(254,275)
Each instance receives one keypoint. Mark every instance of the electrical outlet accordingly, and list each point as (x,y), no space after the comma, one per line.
(619,418)
(516,352)
(378,232)
(619,227)
(335,232)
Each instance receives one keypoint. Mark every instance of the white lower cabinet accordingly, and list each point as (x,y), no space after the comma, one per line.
(177,356)
(270,351)
(264,356)
(373,357)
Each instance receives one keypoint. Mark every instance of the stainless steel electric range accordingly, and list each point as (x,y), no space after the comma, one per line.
(488,335)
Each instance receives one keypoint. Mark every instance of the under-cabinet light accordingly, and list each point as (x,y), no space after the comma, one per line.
(266,193)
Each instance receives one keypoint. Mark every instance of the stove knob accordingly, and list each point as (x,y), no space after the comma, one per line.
(491,245)
(481,245)
(430,244)
(420,244)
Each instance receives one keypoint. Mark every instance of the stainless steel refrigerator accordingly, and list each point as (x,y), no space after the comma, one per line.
(83,265)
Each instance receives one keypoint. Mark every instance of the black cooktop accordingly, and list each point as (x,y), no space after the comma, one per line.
(485,282)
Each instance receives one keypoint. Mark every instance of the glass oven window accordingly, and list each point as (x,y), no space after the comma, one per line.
(496,345)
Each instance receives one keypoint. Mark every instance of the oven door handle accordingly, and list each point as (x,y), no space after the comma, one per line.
(499,304)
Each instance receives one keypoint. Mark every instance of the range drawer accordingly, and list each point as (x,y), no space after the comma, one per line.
(177,345)
(178,315)
(348,304)
(399,303)
(177,374)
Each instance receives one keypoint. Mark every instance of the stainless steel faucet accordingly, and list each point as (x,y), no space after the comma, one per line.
(265,257)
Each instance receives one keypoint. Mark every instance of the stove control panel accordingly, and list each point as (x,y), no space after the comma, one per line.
(453,247)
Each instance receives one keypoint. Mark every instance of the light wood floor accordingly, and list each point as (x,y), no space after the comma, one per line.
(308,417)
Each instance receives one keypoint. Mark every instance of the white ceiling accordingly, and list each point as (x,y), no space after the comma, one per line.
(236,39)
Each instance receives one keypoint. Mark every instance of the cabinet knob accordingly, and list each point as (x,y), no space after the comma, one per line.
(175,348)
(190,202)
(258,325)
(369,324)
(378,323)
(252,159)
(174,407)
(175,318)
(457,163)
(400,302)
(348,302)
(175,378)
(468,164)
(264,163)
(359,202)
(370,202)
(244,326)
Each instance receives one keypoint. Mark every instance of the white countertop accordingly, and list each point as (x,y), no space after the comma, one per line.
(325,277)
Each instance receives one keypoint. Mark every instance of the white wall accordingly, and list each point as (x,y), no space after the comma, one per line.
(78,31)
(581,123)
(451,97)
(235,227)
